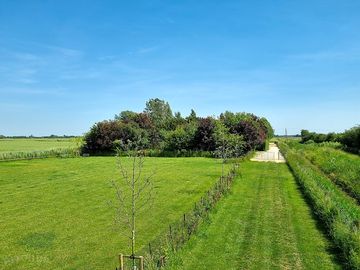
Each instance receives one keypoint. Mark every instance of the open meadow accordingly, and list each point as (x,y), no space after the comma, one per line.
(35,144)
(54,213)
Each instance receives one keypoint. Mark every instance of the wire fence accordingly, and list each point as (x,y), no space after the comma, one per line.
(178,233)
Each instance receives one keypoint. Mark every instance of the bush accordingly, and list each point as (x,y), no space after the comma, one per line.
(102,136)
(351,139)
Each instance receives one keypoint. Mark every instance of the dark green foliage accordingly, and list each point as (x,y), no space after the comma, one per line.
(103,135)
(254,130)
(126,116)
(160,130)
(350,139)
(181,138)
(192,117)
(316,137)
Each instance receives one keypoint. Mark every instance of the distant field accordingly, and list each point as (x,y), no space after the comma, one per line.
(264,223)
(54,212)
(29,145)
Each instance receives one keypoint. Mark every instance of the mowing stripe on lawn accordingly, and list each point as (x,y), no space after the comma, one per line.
(265,223)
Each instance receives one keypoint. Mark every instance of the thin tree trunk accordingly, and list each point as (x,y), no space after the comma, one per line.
(133,214)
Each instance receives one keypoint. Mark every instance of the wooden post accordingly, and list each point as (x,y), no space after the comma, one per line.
(121,261)
(141,262)
(140,258)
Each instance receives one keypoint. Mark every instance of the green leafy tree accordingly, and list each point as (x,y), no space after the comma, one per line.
(192,117)
(126,116)
(159,112)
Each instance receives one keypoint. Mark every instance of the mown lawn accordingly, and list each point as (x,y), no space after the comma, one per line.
(29,145)
(54,212)
(265,223)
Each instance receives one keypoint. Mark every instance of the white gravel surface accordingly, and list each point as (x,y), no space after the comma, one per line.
(272,155)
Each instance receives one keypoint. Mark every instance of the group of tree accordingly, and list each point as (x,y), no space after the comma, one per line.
(350,139)
(157,127)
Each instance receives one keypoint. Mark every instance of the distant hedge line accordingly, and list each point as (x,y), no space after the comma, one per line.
(350,139)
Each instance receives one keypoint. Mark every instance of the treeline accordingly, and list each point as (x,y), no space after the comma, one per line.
(159,129)
(350,139)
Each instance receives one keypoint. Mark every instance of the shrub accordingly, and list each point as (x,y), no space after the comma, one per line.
(102,136)
(204,138)
(351,139)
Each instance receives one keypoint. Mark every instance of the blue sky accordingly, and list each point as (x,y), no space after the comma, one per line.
(65,65)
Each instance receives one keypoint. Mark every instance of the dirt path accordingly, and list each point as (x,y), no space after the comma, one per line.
(272,155)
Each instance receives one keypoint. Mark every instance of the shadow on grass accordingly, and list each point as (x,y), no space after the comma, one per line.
(337,255)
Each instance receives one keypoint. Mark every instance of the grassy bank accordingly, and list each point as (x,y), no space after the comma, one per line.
(339,212)
(341,167)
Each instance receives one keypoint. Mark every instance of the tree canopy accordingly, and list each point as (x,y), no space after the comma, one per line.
(158,128)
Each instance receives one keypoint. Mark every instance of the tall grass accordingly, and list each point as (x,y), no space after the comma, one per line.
(342,168)
(61,152)
(339,212)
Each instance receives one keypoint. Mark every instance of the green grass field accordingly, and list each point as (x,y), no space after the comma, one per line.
(29,145)
(341,167)
(264,223)
(54,212)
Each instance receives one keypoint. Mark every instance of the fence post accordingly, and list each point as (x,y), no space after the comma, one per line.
(121,259)
(171,238)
